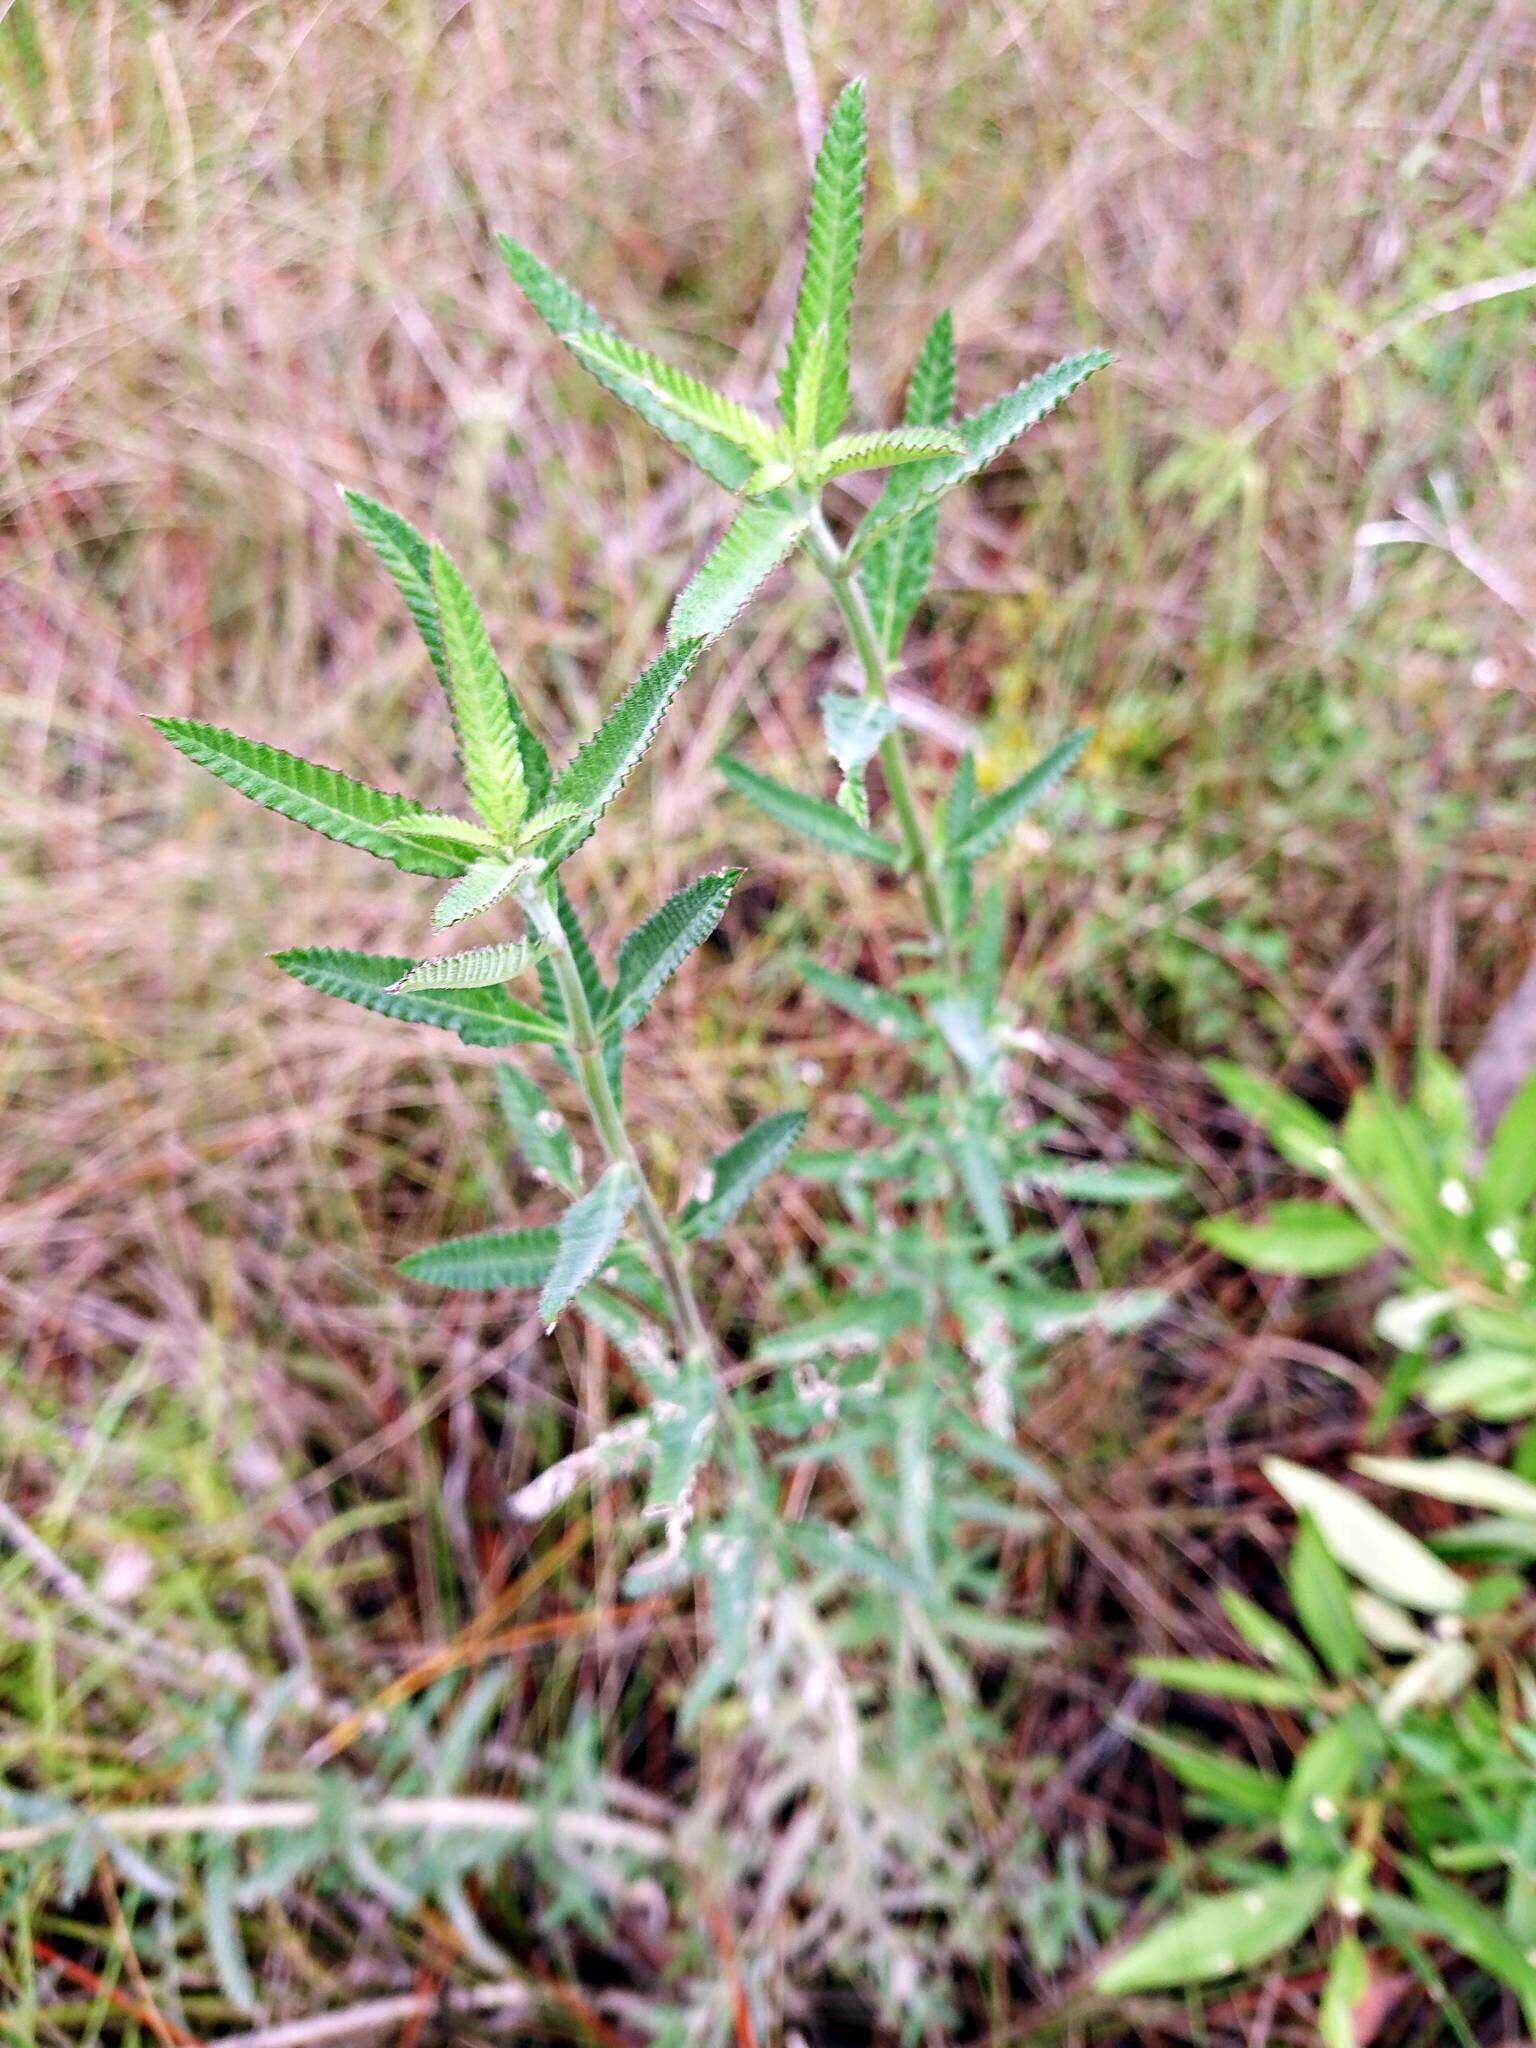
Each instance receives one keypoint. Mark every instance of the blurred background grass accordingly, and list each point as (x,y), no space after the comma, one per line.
(1283,559)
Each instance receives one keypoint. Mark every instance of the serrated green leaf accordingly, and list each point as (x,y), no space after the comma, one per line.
(685,396)
(985,435)
(477,692)
(896,568)
(833,233)
(324,799)
(808,815)
(1221,1680)
(868,1002)
(488,1259)
(1369,1546)
(462,841)
(587,1234)
(549,819)
(480,967)
(1306,1238)
(883,450)
(983,1186)
(407,555)
(851,1328)
(608,759)
(654,951)
(487,1016)
(539,1128)
(1216,1938)
(990,822)
(754,544)
(568,315)
(484,886)
(733,1174)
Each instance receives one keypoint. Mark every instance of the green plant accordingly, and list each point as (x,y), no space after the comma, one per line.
(902,1354)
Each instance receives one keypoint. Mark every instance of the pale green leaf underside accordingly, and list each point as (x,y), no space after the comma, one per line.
(588,1232)
(1368,1545)
(487,1016)
(322,798)
(808,815)
(736,1172)
(989,823)
(985,435)
(752,547)
(888,450)
(487,882)
(833,234)
(461,840)
(567,314)
(653,952)
(690,399)
(855,727)
(480,967)
(477,691)
(602,767)
(490,1258)
(538,1127)
(896,568)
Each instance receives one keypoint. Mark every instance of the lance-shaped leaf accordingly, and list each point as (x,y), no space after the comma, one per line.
(1367,1543)
(1475,1932)
(493,763)
(884,450)
(692,401)
(847,1331)
(461,840)
(588,1232)
(732,1176)
(989,823)
(1294,1237)
(1218,1937)
(808,815)
(487,1016)
(568,316)
(606,762)
(407,555)
(488,1259)
(833,234)
(1469,1482)
(896,568)
(486,883)
(653,952)
(752,547)
(985,435)
(878,1008)
(321,798)
(538,1127)
(480,967)
(593,985)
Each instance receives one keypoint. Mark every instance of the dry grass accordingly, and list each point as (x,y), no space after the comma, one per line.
(249,255)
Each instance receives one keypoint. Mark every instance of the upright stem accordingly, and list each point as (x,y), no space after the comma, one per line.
(917,834)
(608,1120)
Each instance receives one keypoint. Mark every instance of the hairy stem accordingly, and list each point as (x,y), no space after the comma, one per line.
(608,1121)
(917,833)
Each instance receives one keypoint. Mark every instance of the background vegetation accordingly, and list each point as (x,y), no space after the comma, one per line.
(1281,559)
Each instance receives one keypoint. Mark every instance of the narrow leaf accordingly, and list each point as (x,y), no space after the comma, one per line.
(884,450)
(538,1127)
(568,316)
(1509,1173)
(321,798)
(1292,1126)
(1469,1482)
(462,841)
(896,568)
(603,766)
(1294,1237)
(1091,1180)
(990,822)
(1320,1594)
(985,435)
(872,1005)
(1218,1937)
(477,691)
(489,1259)
(1224,1681)
(808,815)
(686,397)
(833,234)
(734,1174)
(1252,1793)
(487,882)
(480,967)
(654,951)
(1473,1931)
(588,1232)
(852,1328)
(487,1016)
(757,540)
(1375,1550)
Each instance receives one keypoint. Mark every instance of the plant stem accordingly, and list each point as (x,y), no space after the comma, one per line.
(917,834)
(608,1120)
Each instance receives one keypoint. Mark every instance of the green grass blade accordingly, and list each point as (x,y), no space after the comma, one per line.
(833,235)
(324,799)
